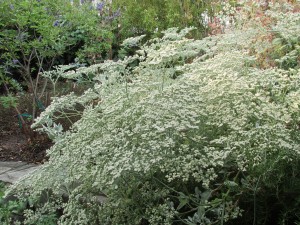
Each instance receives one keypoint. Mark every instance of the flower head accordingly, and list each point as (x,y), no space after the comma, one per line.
(56,23)
(100,6)
(15,61)
(116,13)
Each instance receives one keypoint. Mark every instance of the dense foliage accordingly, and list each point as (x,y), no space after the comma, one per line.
(45,30)
(152,17)
(35,36)
(183,132)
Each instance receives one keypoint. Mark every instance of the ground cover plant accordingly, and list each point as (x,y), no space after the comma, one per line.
(183,132)
(10,210)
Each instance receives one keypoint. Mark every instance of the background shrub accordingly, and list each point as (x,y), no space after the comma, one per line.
(37,35)
(152,17)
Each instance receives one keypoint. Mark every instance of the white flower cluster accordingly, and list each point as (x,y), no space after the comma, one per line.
(226,14)
(288,25)
(133,41)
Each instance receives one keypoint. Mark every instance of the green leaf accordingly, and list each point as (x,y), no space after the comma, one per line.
(183,200)
(277,41)
(229,183)
(205,195)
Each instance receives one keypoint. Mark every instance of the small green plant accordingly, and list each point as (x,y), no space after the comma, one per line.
(16,211)
(9,101)
(10,210)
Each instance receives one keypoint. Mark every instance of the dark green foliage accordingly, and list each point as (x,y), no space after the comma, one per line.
(286,52)
(37,35)
(152,17)
(10,209)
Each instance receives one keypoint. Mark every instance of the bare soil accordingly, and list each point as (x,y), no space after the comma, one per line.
(14,146)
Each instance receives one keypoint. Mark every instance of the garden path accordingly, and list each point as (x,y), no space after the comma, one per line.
(10,172)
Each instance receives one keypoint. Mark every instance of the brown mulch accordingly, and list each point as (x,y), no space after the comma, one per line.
(14,146)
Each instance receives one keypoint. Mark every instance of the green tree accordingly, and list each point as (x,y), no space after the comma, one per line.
(146,17)
(35,35)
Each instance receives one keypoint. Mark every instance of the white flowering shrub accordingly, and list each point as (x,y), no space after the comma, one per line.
(188,135)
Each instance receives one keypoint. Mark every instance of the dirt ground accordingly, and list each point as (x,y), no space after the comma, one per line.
(14,146)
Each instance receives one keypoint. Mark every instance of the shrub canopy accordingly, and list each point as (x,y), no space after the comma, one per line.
(183,132)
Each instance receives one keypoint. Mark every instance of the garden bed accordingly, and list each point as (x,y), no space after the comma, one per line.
(13,144)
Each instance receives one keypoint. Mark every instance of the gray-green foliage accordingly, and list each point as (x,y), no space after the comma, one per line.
(287,43)
(179,136)
(9,83)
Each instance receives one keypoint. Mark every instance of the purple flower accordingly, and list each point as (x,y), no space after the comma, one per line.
(100,6)
(56,23)
(116,13)
(15,61)
(81,1)
(11,6)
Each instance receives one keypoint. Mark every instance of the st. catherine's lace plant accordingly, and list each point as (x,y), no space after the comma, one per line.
(168,139)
